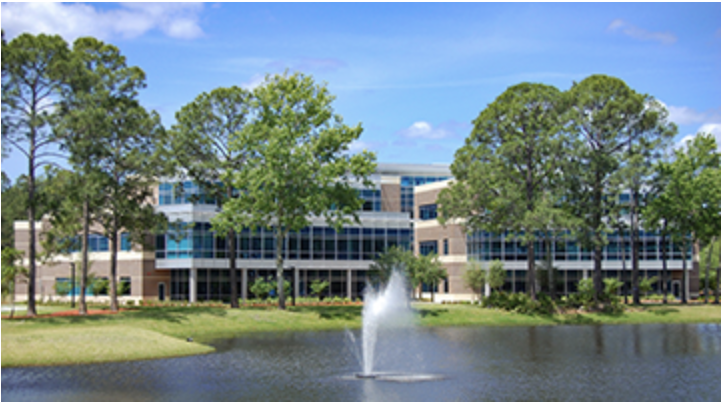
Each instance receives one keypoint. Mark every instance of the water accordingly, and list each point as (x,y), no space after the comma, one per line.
(671,362)
(384,310)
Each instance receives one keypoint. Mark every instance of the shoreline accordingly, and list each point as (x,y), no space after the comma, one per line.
(146,333)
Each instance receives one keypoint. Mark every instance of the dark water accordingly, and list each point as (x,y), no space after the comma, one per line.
(566,363)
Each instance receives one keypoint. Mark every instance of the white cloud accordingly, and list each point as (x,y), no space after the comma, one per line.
(633,31)
(711,128)
(359,145)
(423,130)
(176,20)
(254,82)
(686,115)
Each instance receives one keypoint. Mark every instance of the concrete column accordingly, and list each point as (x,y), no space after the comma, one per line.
(349,284)
(295,291)
(585,274)
(243,284)
(487,289)
(193,277)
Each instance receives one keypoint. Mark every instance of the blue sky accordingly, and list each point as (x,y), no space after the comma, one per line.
(415,75)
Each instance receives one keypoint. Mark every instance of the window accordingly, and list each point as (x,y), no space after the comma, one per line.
(427,247)
(428,212)
(445,247)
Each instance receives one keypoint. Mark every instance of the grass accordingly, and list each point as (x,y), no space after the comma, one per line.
(155,332)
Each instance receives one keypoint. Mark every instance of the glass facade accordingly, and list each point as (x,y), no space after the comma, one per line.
(98,243)
(407,194)
(485,246)
(213,284)
(196,240)
(428,212)
(428,247)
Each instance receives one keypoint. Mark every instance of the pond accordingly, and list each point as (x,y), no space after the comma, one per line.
(672,362)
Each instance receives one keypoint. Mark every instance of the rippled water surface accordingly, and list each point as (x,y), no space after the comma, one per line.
(679,362)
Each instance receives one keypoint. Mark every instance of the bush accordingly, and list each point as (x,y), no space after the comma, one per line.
(520,303)
(62,288)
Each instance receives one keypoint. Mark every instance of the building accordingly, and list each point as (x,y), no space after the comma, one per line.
(574,263)
(190,263)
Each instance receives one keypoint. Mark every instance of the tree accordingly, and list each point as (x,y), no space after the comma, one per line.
(395,258)
(689,200)
(610,123)
(33,72)
(12,272)
(201,145)
(474,278)
(317,287)
(502,171)
(646,285)
(496,275)
(129,158)
(431,272)
(711,281)
(298,164)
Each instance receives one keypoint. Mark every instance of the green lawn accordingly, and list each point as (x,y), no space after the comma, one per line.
(154,332)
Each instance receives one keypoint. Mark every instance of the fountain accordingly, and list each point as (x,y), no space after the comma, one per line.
(385,309)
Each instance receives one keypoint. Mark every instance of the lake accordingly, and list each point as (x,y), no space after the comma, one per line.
(667,362)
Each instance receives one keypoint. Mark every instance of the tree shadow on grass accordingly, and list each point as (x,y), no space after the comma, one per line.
(331,312)
(663,311)
(167,314)
(429,313)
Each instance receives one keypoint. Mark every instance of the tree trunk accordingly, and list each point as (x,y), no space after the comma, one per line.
(231,246)
(718,284)
(622,252)
(549,258)
(706,274)
(636,295)
(82,308)
(683,276)
(31,312)
(12,301)
(280,268)
(114,268)
(665,274)
(72,285)
(597,274)
(531,270)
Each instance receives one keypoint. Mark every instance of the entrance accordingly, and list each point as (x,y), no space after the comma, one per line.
(161,291)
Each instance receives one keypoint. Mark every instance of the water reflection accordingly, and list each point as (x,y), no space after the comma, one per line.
(673,362)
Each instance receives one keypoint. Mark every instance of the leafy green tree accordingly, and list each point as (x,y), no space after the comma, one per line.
(261,288)
(33,72)
(318,287)
(607,121)
(201,148)
(12,273)
(62,288)
(646,285)
(495,275)
(711,281)
(130,156)
(99,286)
(430,272)
(689,201)
(474,278)
(298,164)
(395,258)
(502,170)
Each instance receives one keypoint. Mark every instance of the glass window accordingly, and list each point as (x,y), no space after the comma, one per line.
(428,247)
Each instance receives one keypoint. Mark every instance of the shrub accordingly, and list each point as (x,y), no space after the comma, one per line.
(62,288)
